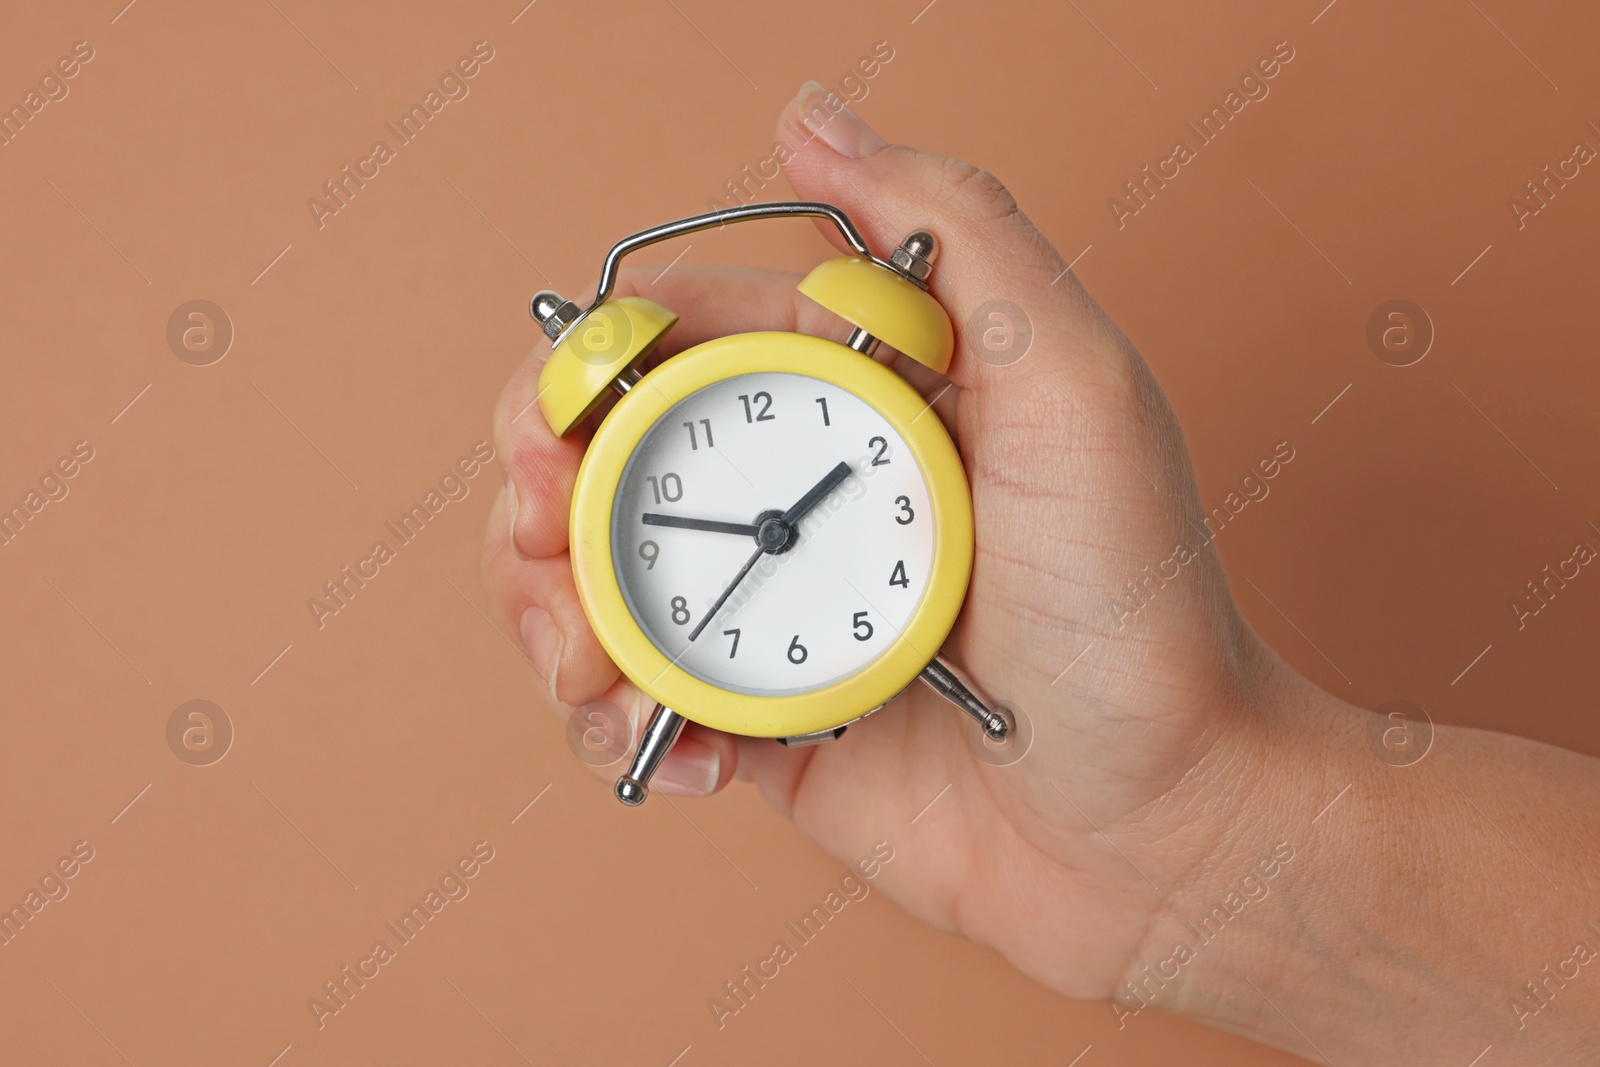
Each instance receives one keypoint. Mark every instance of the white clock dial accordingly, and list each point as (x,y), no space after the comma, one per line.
(853,569)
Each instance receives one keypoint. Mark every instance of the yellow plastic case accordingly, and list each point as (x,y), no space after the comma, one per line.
(635,413)
(601,346)
(885,305)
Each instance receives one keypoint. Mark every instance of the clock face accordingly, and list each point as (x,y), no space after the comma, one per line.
(772,534)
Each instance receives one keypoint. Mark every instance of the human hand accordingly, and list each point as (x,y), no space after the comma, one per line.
(1175,760)
(1080,479)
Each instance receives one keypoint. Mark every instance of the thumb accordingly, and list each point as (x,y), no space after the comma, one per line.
(991,259)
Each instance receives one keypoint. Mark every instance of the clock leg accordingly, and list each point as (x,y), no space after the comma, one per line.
(665,725)
(945,680)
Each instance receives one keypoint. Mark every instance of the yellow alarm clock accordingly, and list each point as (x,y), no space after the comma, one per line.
(771,532)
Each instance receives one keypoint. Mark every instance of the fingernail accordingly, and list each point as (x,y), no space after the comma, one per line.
(827,117)
(690,769)
(512,505)
(542,642)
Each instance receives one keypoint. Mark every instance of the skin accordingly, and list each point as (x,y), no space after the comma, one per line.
(1175,759)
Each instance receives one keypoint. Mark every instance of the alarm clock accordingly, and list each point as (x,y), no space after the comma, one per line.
(771,532)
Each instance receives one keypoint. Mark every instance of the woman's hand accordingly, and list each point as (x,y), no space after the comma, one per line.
(1195,827)
(1081,485)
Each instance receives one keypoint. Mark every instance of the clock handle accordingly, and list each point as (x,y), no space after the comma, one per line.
(945,679)
(665,725)
(911,261)
(744,213)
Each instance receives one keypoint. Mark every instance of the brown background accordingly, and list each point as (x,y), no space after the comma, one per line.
(375,751)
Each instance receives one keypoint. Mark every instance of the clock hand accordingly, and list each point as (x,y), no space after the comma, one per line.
(708,525)
(726,593)
(829,483)
(774,533)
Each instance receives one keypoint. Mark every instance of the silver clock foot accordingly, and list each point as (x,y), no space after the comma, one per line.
(665,725)
(942,676)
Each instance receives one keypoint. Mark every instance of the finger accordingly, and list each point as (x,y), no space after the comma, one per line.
(776,770)
(535,601)
(608,730)
(988,249)
(540,467)
(701,762)
(940,393)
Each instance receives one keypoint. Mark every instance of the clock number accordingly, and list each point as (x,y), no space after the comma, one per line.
(694,444)
(669,488)
(905,509)
(765,414)
(861,627)
(797,651)
(733,633)
(824,402)
(680,611)
(883,447)
(898,577)
(648,552)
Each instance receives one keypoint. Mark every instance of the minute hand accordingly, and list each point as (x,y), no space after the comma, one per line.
(726,593)
(829,483)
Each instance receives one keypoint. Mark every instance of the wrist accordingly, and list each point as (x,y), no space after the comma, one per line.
(1230,930)
(1357,909)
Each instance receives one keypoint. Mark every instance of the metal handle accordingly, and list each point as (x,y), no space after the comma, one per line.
(696,223)
(912,260)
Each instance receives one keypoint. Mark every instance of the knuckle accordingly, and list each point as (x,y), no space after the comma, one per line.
(544,472)
(976,191)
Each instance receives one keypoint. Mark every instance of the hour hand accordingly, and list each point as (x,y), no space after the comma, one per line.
(814,495)
(743,529)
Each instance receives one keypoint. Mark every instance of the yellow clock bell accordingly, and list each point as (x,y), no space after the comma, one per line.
(771,533)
